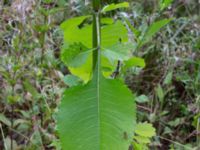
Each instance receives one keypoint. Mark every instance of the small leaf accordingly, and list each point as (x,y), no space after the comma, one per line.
(21,121)
(135,32)
(167,130)
(31,89)
(7,143)
(142,99)
(142,140)
(71,80)
(176,122)
(13,99)
(115,6)
(168,78)
(4,120)
(145,130)
(152,30)
(36,138)
(160,93)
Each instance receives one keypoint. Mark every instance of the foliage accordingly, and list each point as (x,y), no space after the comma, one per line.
(162,70)
(73,34)
(143,131)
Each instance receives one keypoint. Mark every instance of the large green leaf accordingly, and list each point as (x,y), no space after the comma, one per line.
(96,116)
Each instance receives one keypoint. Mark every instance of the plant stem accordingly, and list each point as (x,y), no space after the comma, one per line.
(96,5)
(96,31)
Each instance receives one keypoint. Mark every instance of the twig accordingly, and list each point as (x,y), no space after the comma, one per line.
(145,108)
(116,72)
(186,147)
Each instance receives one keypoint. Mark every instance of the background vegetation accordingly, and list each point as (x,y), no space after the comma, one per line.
(32,75)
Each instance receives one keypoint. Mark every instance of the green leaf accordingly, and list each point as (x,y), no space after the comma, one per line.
(75,55)
(138,146)
(160,93)
(12,99)
(61,2)
(7,143)
(84,71)
(96,115)
(111,33)
(80,63)
(152,30)
(36,139)
(135,32)
(145,130)
(115,6)
(168,78)
(142,99)
(73,33)
(120,51)
(31,89)
(135,62)
(71,80)
(176,122)
(142,140)
(107,21)
(4,120)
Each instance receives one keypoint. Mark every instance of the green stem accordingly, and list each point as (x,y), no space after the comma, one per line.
(96,5)
(96,31)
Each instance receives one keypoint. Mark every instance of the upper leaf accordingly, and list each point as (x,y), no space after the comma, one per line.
(74,33)
(75,30)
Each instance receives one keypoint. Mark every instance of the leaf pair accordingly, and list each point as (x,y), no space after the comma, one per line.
(77,51)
